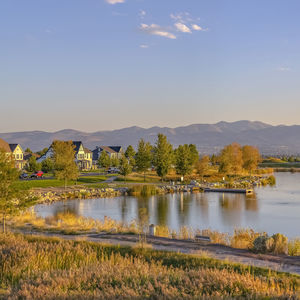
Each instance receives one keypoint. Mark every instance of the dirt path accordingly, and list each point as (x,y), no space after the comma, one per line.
(278,263)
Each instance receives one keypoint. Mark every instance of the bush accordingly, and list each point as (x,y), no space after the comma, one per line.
(243,238)
(294,247)
(277,244)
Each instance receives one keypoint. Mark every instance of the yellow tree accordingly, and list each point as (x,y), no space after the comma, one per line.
(202,166)
(231,159)
(65,167)
(251,158)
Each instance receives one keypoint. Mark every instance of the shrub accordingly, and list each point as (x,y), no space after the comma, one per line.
(294,247)
(260,244)
(277,244)
(243,238)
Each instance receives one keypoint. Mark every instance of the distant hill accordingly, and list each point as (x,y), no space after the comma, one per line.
(209,138)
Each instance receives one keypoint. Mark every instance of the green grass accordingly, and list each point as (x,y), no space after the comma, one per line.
(44,183)
(279,165)
(39,268)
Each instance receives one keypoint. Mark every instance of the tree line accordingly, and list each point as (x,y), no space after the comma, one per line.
(185,159)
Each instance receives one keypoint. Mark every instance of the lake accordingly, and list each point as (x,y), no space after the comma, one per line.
(270,209)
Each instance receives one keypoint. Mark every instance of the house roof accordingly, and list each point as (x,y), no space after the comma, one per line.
(13,147)
(5,146)
(27,155)
(87,150)
(77,145)
(107,149)
(116,148)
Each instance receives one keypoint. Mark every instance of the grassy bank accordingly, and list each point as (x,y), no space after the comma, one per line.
(44,183)
(68,223)
(39,268)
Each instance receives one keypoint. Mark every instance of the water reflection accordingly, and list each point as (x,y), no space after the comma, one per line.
(263,211)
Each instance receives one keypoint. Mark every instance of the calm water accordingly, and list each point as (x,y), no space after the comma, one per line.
(271,209)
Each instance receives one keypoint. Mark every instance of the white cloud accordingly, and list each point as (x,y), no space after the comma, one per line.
(114,1)
(144,46)
(142,14)
(182,27)
(155,29)
(197,27)
(284,69)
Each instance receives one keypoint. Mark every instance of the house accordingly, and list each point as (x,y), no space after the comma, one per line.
(16,151)
(112,151)
(83,156)
(18,155)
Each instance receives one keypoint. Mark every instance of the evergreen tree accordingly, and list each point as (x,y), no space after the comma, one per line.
(183,160)
(130,154)
(125,167)
(162,156)
(143,157)
(47,165)
(104,160)
(65,167)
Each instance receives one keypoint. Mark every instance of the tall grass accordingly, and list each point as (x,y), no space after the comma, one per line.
(45,268)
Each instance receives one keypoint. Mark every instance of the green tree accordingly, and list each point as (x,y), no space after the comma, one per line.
(143,157)
(33,165)
(202,166)
(12,198)
(194,154)
(65,167)
(251,158)
(183,160)
(125,167)
(130,154)
(231,159)
(47,165)
(162,156)
(114,162)
(28,150)
(42,152)
(104,160)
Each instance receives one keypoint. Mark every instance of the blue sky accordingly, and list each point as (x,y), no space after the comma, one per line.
(94,65)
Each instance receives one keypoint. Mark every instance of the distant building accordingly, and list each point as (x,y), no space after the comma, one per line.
(83,156)
(112,151)
(16,151)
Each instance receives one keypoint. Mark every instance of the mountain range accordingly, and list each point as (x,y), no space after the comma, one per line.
(209,138)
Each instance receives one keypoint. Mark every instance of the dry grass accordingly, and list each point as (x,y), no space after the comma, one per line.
(69,223)
(40,268)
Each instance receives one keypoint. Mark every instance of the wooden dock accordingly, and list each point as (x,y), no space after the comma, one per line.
(236,191)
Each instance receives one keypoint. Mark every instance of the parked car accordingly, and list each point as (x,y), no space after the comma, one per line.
(38,174)
(113,170)
(23,176)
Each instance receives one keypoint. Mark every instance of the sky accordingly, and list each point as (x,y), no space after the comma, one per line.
(96,65)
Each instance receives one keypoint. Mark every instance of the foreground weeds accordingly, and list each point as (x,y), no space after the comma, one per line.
(47,268)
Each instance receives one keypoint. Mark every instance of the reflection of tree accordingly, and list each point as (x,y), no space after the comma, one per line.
(231,206)
(124,208)
(251,202)
(230,201)
(142,208)
(70,207)
(183,208)
(162,210)
(202,205)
